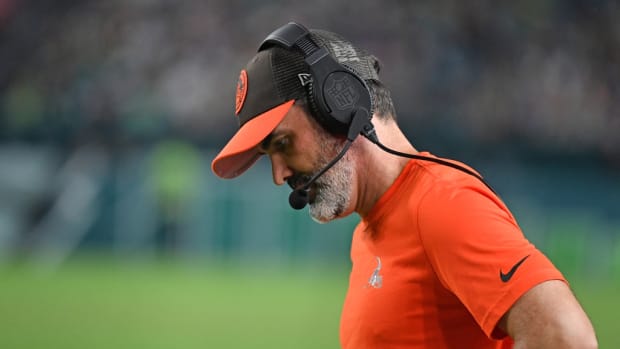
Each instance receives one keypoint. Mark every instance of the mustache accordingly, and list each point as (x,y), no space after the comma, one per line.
(298,180)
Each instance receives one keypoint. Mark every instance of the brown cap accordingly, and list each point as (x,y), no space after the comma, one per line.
(267,88)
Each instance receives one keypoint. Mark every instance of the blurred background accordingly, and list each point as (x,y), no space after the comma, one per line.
(115,233)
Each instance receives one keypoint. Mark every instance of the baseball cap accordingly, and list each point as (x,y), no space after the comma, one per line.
(267,89)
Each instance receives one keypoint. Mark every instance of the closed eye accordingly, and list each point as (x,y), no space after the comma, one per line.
(281,144)
(274,143)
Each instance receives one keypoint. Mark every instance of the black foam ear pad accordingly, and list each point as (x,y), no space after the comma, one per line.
(337,92)
(314,108)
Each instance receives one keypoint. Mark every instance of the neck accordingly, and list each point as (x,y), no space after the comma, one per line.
(380,169)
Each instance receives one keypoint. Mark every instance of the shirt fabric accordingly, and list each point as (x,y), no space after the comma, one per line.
(436,264)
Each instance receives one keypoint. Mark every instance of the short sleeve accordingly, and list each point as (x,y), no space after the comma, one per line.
(478,251)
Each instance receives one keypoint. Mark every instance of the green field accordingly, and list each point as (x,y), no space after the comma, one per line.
(97,303)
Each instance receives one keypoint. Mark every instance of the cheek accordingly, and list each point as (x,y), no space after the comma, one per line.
(313,150)
(306,160)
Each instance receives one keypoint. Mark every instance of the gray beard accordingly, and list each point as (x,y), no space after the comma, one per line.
(333,191)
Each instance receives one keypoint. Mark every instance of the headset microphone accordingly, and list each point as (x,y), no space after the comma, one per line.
(298,199)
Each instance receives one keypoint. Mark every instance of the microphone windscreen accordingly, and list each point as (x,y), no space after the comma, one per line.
(298,199)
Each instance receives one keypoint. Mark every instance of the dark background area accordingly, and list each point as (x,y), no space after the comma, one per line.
(110,113)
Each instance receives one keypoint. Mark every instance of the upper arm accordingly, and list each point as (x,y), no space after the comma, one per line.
(548,316)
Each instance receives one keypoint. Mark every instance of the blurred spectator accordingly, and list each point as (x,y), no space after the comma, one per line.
(544,73)
(175,174)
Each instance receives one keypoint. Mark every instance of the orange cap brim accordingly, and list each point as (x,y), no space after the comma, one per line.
(240,153)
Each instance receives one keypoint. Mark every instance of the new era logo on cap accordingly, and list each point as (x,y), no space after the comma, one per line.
(304,78)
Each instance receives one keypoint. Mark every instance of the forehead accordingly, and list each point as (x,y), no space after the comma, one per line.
(296,120)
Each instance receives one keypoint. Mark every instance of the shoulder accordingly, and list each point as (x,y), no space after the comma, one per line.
(455,189)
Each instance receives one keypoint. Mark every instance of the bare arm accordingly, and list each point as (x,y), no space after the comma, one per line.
(548,316)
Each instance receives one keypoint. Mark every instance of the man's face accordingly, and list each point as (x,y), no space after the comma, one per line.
(299,148)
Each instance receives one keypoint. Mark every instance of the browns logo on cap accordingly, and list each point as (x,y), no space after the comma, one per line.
(242,90)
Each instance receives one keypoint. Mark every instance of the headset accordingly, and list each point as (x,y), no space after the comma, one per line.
(340,100)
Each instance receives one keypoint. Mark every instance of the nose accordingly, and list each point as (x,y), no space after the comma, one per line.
(279,169)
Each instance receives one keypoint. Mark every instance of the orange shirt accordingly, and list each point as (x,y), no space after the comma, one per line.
(436,264)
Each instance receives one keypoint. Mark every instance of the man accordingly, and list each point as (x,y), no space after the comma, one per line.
(438,260)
